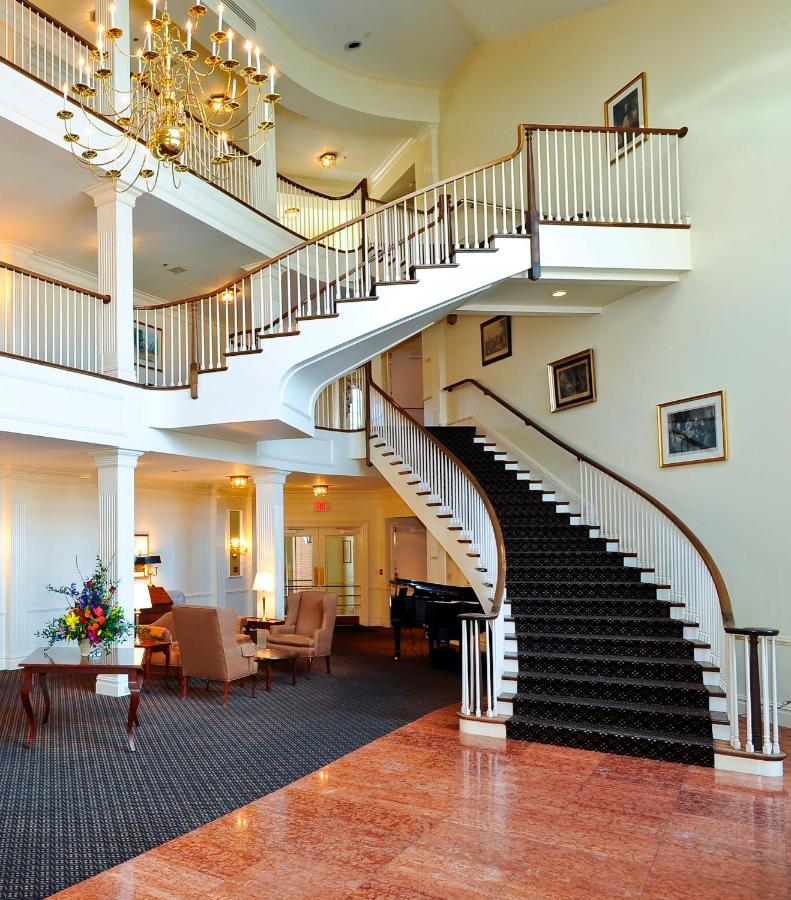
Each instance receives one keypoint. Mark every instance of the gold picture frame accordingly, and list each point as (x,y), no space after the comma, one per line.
(626,108)
(693,430)
(572,381)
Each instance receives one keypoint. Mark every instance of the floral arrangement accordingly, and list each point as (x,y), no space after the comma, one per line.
(92,619)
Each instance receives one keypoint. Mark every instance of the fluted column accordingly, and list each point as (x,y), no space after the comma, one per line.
(270,535)
(116,257)
(116,485)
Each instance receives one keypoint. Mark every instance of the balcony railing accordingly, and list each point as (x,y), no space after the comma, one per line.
(341,405)
(50,321)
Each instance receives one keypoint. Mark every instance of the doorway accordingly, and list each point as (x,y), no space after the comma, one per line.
(405,376)
(407,541)
(326,558)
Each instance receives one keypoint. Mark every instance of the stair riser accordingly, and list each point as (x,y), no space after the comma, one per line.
(659,649)
(617,717)
(625,628)
(589,607)
(621,744)
(518,572)
(625,590)
(666,695)
(643,668)
(554,558)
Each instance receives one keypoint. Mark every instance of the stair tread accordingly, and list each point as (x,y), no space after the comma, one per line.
(619,731)
(696,712)
(543,654)
(563,617)
(573,598)
(658,638)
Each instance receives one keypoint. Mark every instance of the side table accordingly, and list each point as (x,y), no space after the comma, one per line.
(269,655)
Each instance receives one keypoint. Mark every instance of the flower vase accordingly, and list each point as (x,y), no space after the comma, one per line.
(85,648)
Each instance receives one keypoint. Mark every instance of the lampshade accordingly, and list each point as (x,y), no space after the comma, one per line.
(142,599)
(140,560)
(154,560)
(264,581)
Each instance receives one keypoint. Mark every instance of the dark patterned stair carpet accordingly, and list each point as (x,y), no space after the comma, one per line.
(601,664)
(79,801)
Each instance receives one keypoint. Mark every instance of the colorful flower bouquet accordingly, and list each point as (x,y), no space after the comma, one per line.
(92,619)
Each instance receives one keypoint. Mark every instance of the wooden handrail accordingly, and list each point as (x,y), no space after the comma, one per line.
(499,588)
(716,576)
(610,129)
(105,298)
(361,186)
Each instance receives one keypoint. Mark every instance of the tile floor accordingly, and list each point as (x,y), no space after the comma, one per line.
(419,814)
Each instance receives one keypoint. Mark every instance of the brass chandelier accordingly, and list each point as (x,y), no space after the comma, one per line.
(169,108)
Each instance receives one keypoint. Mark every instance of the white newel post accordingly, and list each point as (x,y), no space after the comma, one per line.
(115,232)
(270,535)
(116,484)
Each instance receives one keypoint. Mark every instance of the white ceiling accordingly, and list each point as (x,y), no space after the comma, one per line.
(413,40)
(41,186)
(300,142)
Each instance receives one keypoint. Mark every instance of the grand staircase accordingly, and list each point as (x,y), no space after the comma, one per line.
(601,660)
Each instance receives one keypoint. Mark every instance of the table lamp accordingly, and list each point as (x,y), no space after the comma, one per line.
(264,582)
(142,599)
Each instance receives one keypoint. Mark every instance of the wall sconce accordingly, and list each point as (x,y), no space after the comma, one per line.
(237,548)
(239,481)
(320,490)
(328,160)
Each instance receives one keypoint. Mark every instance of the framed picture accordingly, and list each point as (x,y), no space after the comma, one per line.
(626,109)
(148,346)
(572,381)
(692,430)
(495,339)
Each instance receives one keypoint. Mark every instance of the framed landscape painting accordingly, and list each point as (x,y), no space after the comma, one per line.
(148,347)
(626,109)
(693,430)
(572,381)
(495,339)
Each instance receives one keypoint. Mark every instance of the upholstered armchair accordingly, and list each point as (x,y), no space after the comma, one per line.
(211,648)
(308,628)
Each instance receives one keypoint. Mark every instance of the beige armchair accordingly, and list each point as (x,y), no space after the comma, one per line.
(211,648)
(308,628)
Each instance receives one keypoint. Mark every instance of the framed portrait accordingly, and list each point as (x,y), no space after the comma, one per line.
(148,346)
(626,109)
(495,339)
(572,381)
(692,430)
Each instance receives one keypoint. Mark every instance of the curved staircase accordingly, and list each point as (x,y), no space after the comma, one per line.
(598,660)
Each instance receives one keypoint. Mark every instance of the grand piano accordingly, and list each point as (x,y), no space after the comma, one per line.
(436,608)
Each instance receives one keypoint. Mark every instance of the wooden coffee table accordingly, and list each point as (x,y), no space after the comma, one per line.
(67,661)
(270,655)
(253,626)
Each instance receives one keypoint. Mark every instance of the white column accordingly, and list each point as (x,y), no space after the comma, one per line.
(116,257)
(270,535)
(116,484)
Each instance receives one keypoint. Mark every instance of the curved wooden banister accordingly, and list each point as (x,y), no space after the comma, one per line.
(610,129)
(716,576)
(105,298)
(361,186)
(499,587)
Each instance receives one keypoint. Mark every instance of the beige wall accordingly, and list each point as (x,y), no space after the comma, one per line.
(722,69)
(368,509)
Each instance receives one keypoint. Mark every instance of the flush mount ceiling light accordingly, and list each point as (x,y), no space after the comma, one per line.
(292,211)
(328,160)
(558,293)
(239,481)
(320,490)
(228,295)
(353,45)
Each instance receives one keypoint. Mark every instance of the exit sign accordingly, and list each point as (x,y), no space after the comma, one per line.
(320,506)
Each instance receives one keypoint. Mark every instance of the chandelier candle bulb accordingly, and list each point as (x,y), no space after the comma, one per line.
(249,48)
(153,10)
(220,10)
(271,79)
(189,35)
(230,44)
(112,15)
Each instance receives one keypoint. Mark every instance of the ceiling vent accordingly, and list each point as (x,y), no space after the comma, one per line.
(245,17)
(177,270)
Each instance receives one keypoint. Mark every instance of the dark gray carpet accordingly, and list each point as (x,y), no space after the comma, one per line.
(80,801)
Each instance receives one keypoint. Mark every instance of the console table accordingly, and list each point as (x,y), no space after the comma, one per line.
(66,660)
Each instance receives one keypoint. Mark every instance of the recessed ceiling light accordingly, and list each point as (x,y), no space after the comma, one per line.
(353,45)
(558,293)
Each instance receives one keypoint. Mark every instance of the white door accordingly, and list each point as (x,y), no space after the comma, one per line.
(325,558)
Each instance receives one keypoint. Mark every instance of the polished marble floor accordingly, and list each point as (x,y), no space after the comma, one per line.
(419,814)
